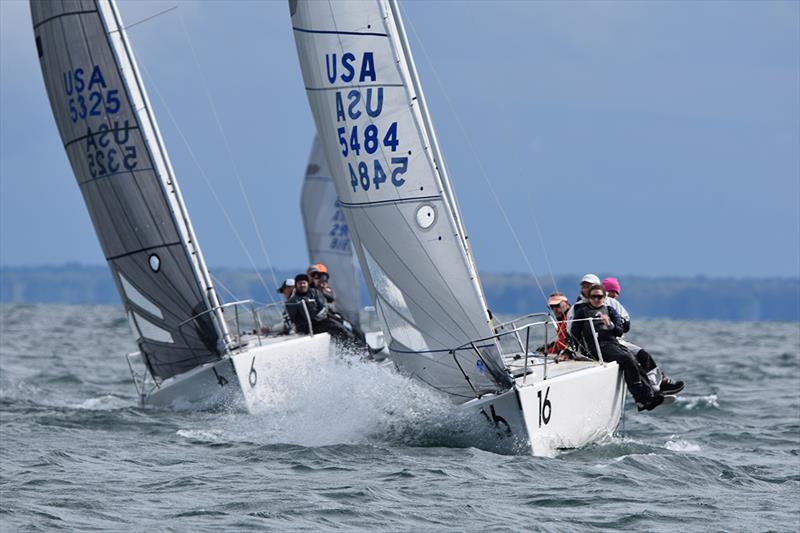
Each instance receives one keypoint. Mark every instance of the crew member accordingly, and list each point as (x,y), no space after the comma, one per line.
(608,326)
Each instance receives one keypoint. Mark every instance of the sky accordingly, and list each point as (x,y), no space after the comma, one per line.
(634,138)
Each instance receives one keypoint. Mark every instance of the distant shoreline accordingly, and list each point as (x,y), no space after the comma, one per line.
(699,297)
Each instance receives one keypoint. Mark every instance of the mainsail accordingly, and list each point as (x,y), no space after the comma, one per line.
(127,182)
(327,234)
(392,183)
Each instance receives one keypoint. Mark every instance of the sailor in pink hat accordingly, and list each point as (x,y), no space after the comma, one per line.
(654,373)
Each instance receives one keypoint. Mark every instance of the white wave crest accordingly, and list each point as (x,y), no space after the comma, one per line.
(692,402)
(681,445)
(104,403)
(204,435)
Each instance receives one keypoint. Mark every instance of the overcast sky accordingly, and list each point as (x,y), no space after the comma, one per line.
(640,137)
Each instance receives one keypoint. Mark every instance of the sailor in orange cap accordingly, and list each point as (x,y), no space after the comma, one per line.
(319,279)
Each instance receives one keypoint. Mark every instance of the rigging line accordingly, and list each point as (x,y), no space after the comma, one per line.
(230,293)
(151,17)
(233,163)
(202,173)
(544,248)
(484,174)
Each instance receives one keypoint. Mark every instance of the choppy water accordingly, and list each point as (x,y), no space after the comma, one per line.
(365,449)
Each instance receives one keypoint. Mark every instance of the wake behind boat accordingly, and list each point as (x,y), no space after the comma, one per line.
(410,240)
(193,349)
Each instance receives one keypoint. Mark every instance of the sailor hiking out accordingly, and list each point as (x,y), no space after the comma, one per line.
(657,378)
(608,325)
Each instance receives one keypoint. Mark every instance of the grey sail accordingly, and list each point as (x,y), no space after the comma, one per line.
(392,183)
(327,234)
(119,161)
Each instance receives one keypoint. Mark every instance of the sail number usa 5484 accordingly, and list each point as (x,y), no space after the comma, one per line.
(377,138)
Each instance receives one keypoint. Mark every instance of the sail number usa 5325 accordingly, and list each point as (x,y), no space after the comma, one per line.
(372,150)
(109,148)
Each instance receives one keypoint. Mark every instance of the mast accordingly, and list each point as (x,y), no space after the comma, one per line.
(438,158)
(170,185)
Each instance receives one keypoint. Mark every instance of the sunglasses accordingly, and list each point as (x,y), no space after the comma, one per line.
(554,307)
(597,296)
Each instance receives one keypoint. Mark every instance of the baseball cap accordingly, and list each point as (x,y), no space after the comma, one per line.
(288,282)
(591,278)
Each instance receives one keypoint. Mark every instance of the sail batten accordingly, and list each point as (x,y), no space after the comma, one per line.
(392,185)
(120,164)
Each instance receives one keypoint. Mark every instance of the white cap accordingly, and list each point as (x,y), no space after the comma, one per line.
(288,283)
(590,278)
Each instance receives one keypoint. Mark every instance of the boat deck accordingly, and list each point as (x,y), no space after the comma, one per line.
(540,367)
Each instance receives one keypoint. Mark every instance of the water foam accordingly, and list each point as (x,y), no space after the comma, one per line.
(107,402)
(681,445)
(693,402)
(343,400)
(202,435)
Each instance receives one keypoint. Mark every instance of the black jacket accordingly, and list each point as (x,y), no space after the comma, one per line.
(581,331)
(315,303)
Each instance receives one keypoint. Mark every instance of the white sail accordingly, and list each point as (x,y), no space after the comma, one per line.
(391,181)
(327,233)
(127,182)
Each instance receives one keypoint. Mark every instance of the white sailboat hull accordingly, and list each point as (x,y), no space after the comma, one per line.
(579,403)
(250,378)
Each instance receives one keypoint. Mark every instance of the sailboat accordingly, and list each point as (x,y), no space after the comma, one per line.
(409,236)
(327,235)
(194,351)
(328,241)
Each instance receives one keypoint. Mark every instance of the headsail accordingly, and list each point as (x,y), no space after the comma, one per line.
(119,161)
(402,215)
(327,234)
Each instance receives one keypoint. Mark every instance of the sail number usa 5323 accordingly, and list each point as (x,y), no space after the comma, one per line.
(372,150)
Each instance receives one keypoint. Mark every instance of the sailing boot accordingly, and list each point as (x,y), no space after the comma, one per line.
(657,400)
(671,387)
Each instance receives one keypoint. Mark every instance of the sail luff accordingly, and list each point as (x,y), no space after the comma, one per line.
(169,183)
(439,162)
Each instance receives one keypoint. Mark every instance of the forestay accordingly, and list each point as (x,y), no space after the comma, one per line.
(327,234)
(118,158)
(375,132)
